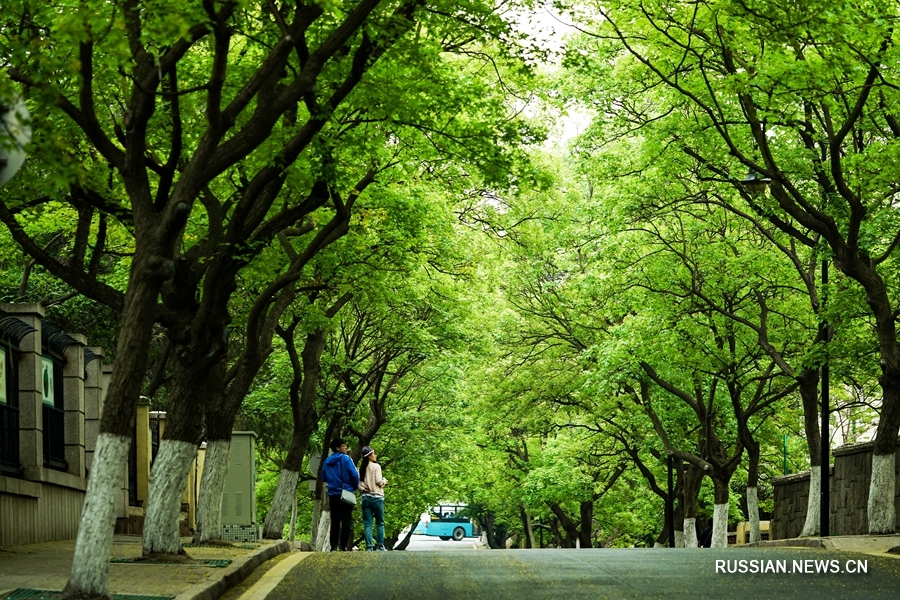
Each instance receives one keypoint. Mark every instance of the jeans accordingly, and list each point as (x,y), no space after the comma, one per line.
(341,522)
(373,506)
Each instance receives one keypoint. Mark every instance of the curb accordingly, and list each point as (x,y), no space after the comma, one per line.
(795,543)
(233,574)
(273,577)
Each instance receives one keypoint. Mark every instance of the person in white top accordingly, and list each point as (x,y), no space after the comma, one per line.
(371,483)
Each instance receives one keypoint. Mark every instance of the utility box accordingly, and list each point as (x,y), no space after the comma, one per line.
(239,496)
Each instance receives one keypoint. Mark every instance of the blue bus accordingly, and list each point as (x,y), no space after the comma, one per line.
(447,522)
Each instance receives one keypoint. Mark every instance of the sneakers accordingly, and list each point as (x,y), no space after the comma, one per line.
(380,549)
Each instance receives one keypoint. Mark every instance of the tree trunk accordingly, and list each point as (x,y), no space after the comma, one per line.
(212,485)
(813,504)
(752,447)
(303,409)
(323,541)
(293,530)
(314,521)
(167,482)
(881,494)
(557,535)
(662,537)
(753,513)
(285,493)
(89,577)
(587,524)
(566,523)
(720,514)
(193,382)
(881,511)
(809,392)
(678,519)
(90,568)
(693,479)
(404,543)
(526,527)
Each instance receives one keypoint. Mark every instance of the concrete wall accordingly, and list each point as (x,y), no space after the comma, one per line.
(39,512)
(850,476)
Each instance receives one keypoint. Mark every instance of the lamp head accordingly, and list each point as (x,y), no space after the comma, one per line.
(14,134)
(754,182)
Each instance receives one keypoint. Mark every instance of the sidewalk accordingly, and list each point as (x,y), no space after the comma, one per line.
(866,544)
(46,566)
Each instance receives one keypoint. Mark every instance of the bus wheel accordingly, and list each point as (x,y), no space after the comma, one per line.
(445,537)
(458,534)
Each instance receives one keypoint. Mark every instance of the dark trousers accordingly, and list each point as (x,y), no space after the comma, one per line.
(341,522)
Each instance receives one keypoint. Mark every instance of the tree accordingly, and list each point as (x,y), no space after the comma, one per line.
(220,109)
(756,87)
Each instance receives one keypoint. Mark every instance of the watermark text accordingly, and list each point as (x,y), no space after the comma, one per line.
(807,566)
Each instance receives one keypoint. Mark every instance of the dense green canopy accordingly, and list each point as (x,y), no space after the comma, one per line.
(527,326)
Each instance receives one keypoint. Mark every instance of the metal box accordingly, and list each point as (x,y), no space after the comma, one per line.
(239,496)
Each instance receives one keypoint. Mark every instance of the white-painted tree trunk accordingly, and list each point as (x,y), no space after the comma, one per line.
(90,564)
(690,533)
(167,482)
(813,503)
(658,545)
(281,505)
(314,523)
(881,495)
(212,484)
(720,526)
(293,520)
(679,539)
(753,513)
(323,540)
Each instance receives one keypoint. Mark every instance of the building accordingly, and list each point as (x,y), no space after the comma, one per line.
(51,392)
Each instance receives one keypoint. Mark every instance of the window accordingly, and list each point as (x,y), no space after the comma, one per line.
(54,416)
(9,408)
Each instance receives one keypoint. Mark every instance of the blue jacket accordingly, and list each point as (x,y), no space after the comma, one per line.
(340,473)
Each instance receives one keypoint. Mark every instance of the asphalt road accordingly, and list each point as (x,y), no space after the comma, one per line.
(589,573)
(425,543)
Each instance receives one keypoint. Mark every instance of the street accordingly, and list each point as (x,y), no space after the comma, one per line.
(420,543)
(589,573)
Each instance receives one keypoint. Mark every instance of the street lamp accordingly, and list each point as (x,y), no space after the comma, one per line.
(755,183)
(14,134)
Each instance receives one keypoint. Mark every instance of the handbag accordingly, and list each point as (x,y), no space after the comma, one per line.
(348,497)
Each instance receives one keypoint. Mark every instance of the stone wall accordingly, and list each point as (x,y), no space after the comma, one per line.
(791,495)
(849,481)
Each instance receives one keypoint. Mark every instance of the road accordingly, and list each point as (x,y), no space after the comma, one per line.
(421,543)
(588,573)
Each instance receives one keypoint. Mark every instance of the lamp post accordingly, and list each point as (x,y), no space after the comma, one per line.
(824,483)
(670,502)
(755,183)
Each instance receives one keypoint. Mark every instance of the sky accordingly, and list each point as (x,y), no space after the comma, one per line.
(551,29)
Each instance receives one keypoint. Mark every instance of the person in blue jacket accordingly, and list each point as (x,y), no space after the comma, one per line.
(340,473)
